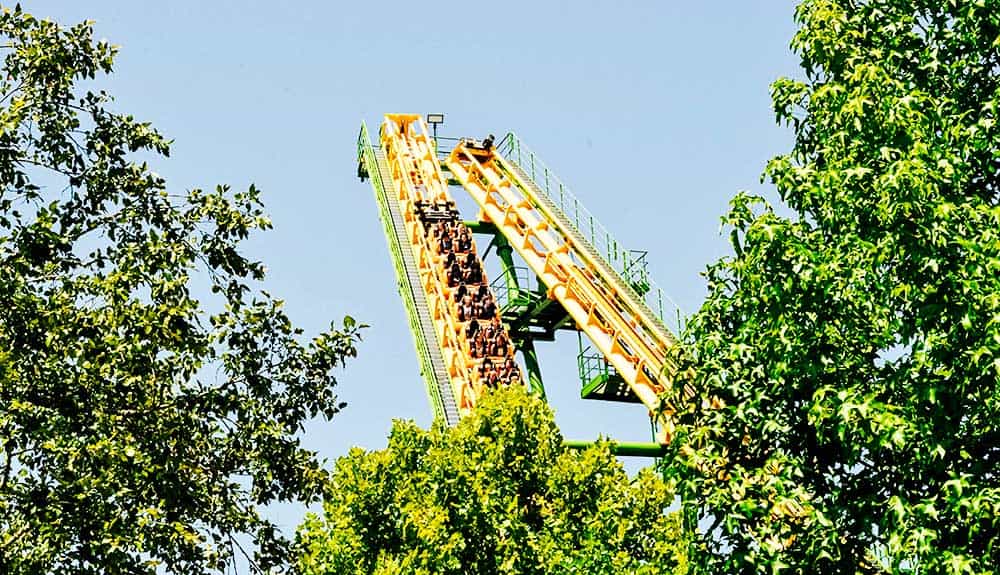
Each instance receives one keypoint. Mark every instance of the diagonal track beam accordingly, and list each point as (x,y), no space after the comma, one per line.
(599,309)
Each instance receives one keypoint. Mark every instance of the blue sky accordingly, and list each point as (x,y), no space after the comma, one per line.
(654,113)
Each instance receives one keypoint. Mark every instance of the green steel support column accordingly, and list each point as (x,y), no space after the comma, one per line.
(504,252)
(534,371)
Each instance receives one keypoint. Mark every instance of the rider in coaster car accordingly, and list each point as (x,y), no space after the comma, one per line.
(454,275)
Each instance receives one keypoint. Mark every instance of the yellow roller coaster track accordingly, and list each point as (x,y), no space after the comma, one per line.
(427,209)
(617,323)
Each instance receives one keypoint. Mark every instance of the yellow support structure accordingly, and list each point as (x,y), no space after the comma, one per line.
(632,342)
(420,185)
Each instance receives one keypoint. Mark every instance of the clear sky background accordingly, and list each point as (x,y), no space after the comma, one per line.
(655,113)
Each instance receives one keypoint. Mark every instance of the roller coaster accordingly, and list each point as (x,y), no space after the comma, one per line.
(468,329)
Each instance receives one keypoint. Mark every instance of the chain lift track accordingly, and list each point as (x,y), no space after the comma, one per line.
(372,165)
(473,343)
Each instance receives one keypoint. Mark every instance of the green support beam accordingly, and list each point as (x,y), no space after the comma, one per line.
(527,348)
(624,448)
(482,228)
(505,253)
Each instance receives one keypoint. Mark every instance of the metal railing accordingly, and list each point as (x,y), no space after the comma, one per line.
(591,364)
(366,158)
(630,265)
(506,292)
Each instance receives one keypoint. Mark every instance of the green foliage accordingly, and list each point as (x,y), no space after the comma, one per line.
(496,494)
(849,357)
(138,431)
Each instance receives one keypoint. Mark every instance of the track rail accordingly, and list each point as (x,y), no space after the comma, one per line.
(618,323)
(372,163)
(426,207)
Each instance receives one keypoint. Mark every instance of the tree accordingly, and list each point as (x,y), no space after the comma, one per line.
(498,493)
(848,355)
(139,432)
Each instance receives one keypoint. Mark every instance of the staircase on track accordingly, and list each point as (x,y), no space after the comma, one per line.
(438,378)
